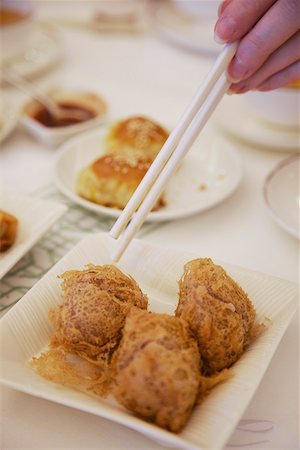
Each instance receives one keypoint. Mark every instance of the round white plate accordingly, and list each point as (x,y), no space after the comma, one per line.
(192,34)
(282,196)
(210,173)
(43,51)
(9,116)
(235,119)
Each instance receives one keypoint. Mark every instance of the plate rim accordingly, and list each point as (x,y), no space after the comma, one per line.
(173,36)
(14,112)
(287,227)
(32,70)
(260,144)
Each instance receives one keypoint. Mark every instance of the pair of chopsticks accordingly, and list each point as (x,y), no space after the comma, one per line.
(174,150)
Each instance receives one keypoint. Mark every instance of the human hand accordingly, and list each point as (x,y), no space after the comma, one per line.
(268,55)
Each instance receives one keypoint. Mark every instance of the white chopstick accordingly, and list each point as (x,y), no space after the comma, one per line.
(165,164)
(219,67)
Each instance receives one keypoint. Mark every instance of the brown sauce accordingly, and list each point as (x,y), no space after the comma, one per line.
(9,16)
(45,118)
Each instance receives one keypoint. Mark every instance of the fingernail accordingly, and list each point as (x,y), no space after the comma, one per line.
(225,28)
(218,40)
(232,79)
(238,70)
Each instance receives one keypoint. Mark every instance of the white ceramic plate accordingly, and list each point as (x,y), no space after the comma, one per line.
(9,116)
(237,120)
(195,35)
(35,218)
(43,51)
(26,331)
(282,195)
(209,174)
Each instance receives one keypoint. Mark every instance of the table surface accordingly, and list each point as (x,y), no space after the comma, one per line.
(159,79)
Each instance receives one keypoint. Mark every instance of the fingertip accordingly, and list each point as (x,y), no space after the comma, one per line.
(225,29)
(231,76)
(219,40)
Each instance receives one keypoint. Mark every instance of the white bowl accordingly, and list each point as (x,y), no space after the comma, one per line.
(207,9)
(15,37)
(280,107)
(54,136)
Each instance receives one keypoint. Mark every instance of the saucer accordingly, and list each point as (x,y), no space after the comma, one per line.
(281,194)
(235,119)
(43,51)
(195,35)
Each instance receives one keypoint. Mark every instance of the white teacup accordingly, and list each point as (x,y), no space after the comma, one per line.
(15,27)
(280,107)
(206,9)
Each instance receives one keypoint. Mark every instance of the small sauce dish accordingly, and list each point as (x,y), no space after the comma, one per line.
(91,107)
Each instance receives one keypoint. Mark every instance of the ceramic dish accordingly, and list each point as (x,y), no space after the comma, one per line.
(278,108)
(209,174)
(282,196)
(35,217)
(15,35)
(54,136)
(43,51)
(187,33)
(26,331)
(9,116)
(237,120)
(203,9)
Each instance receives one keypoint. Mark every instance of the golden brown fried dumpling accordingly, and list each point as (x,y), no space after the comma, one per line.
(219,312)
(216,326)
(137,136)
(157,366)
(8,230)
(111,180)
(94,306)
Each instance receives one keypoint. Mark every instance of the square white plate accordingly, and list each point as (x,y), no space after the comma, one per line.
(35,217)
(25,331)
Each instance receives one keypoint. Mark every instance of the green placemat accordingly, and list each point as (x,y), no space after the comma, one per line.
(76,223)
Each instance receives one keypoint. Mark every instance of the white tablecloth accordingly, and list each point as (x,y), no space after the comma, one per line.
(161,80)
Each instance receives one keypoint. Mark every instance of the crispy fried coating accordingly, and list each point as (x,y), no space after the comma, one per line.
(68,369)
(218,311)
(157,368)
(94,306)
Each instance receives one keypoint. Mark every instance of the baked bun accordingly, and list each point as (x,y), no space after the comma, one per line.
(112,179)
(136,135)
(8,230)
